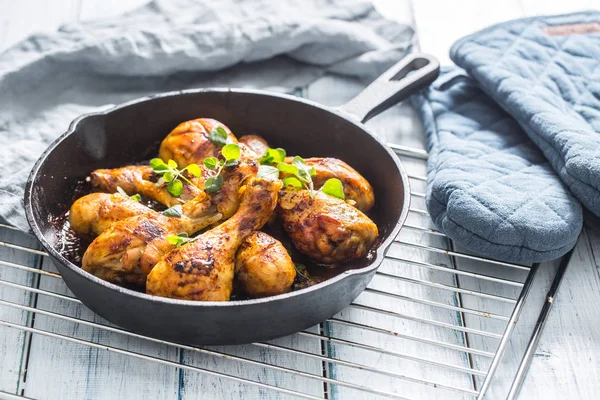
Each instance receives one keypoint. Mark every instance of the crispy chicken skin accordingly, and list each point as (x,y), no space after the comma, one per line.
(356,187)
(263,266)
(325,228)
(93,213)
(189,142)
(141,179)
(128,249)
(256,143)
(204,269)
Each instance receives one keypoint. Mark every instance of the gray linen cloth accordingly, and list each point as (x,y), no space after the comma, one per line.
(46,81)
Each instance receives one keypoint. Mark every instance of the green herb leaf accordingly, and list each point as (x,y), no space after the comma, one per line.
(213,184)
(272,156)
(268,172)
(287,169)
(168,176)
(175,211)
(211,163)
(179,240)
(175,240)
(313,172)
(301,270)
(292,181)
(230,163)
(334,187)
(158,165)
(135,197)
(300,267)
(218,136)
(231,151)
(172,176)
(303,175)
(299,162)
(304,171)
(194,170)
(121,191)
(175,187)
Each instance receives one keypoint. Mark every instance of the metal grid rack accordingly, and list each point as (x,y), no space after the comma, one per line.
(481,365)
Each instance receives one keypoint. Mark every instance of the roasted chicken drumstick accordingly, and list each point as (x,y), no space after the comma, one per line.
(356,187)
(93,213)
(128,249)
(189,143)
(203,269)
(325,228)
(263,266)
(140,179)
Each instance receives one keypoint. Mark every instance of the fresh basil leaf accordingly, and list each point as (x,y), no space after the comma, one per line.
(231,151)
(175,187)
(211,163)
(194,170)
(213,184)
(175,211)
(272,156)
(136,197)
(334,187)
(218,136)
(287,168)
(292,181)
(158,165)
(268,172)
(313,172)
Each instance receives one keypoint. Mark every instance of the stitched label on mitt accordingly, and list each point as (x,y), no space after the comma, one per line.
(572,29)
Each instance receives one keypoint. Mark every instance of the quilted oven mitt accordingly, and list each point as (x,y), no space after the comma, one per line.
(545,72)
(489,187)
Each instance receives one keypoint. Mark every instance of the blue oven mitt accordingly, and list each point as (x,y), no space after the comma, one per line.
(545,72)
(488,186)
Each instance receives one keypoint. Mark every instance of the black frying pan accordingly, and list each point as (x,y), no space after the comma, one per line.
(132,132)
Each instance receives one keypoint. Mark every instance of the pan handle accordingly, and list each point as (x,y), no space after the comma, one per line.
(414,72)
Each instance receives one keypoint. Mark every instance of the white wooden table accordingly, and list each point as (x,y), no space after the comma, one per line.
(566,364)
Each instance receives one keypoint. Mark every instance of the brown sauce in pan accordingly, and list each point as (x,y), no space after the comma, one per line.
(72,246)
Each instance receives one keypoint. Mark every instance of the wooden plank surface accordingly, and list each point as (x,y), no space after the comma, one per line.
(13,343)
(564,365)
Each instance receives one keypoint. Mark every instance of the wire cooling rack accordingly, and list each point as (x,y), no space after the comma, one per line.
(461,320)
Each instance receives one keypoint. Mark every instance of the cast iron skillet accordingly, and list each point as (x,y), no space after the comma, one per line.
(132,132)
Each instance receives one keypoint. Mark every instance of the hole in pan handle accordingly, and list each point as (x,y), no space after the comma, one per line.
(411,74)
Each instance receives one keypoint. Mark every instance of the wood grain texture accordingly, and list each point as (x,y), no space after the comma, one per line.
(566,363)
(62,370)
(13,343)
